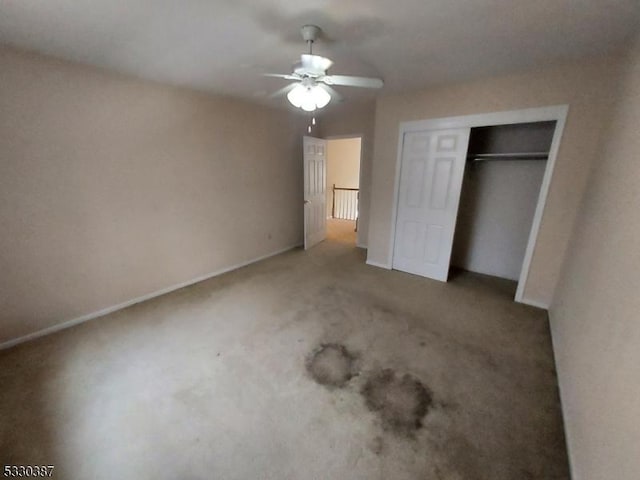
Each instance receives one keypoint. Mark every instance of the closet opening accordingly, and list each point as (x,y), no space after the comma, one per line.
(504,170)
(478,183)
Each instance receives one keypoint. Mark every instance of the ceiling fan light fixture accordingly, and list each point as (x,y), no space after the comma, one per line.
(308,98)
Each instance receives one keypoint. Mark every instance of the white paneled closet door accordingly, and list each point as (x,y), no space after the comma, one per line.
(431,172)
(315,186)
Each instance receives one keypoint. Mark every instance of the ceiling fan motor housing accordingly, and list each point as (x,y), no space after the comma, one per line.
(310,32)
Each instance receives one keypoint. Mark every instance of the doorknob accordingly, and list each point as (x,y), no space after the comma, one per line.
(306,201)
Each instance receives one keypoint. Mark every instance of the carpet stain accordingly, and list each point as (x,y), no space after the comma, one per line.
(331,365)
(400,401)
(377,445)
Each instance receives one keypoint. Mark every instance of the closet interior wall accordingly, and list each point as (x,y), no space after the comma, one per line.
(499,197)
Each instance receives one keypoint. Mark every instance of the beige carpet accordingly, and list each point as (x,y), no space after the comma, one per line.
(309,365)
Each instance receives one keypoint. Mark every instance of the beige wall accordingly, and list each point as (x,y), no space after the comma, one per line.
(595,315)
(586,87)
(112,188)
(353,118)
(343,165)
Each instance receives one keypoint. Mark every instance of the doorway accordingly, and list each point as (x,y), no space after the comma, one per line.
(343,188)
(432,156)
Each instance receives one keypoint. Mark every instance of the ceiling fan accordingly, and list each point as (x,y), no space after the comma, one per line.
(311,88)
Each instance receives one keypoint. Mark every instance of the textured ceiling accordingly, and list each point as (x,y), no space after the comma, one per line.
(222,46)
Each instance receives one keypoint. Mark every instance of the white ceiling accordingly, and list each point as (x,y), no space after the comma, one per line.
(222,46)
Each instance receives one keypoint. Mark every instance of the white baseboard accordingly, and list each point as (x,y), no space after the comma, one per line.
(568,428)
(379,265)
(128,303)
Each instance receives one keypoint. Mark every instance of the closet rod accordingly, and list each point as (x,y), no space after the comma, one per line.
(509,156)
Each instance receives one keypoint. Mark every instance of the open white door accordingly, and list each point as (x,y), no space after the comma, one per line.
(315,180)
(431,172)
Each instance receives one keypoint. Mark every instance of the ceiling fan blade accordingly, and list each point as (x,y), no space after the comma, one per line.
(281,75)
(283,91)
(335,95)
(315,63)
(349,81)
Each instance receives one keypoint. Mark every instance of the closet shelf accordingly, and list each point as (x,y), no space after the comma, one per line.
(478,157)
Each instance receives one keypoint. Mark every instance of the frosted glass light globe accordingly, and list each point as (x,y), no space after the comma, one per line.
(297,95)
(321,96)
(309,103)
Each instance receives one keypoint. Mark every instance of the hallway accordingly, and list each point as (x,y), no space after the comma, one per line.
(341,231)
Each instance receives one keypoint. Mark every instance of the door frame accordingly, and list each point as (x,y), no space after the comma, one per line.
(359,244)
(557,113)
